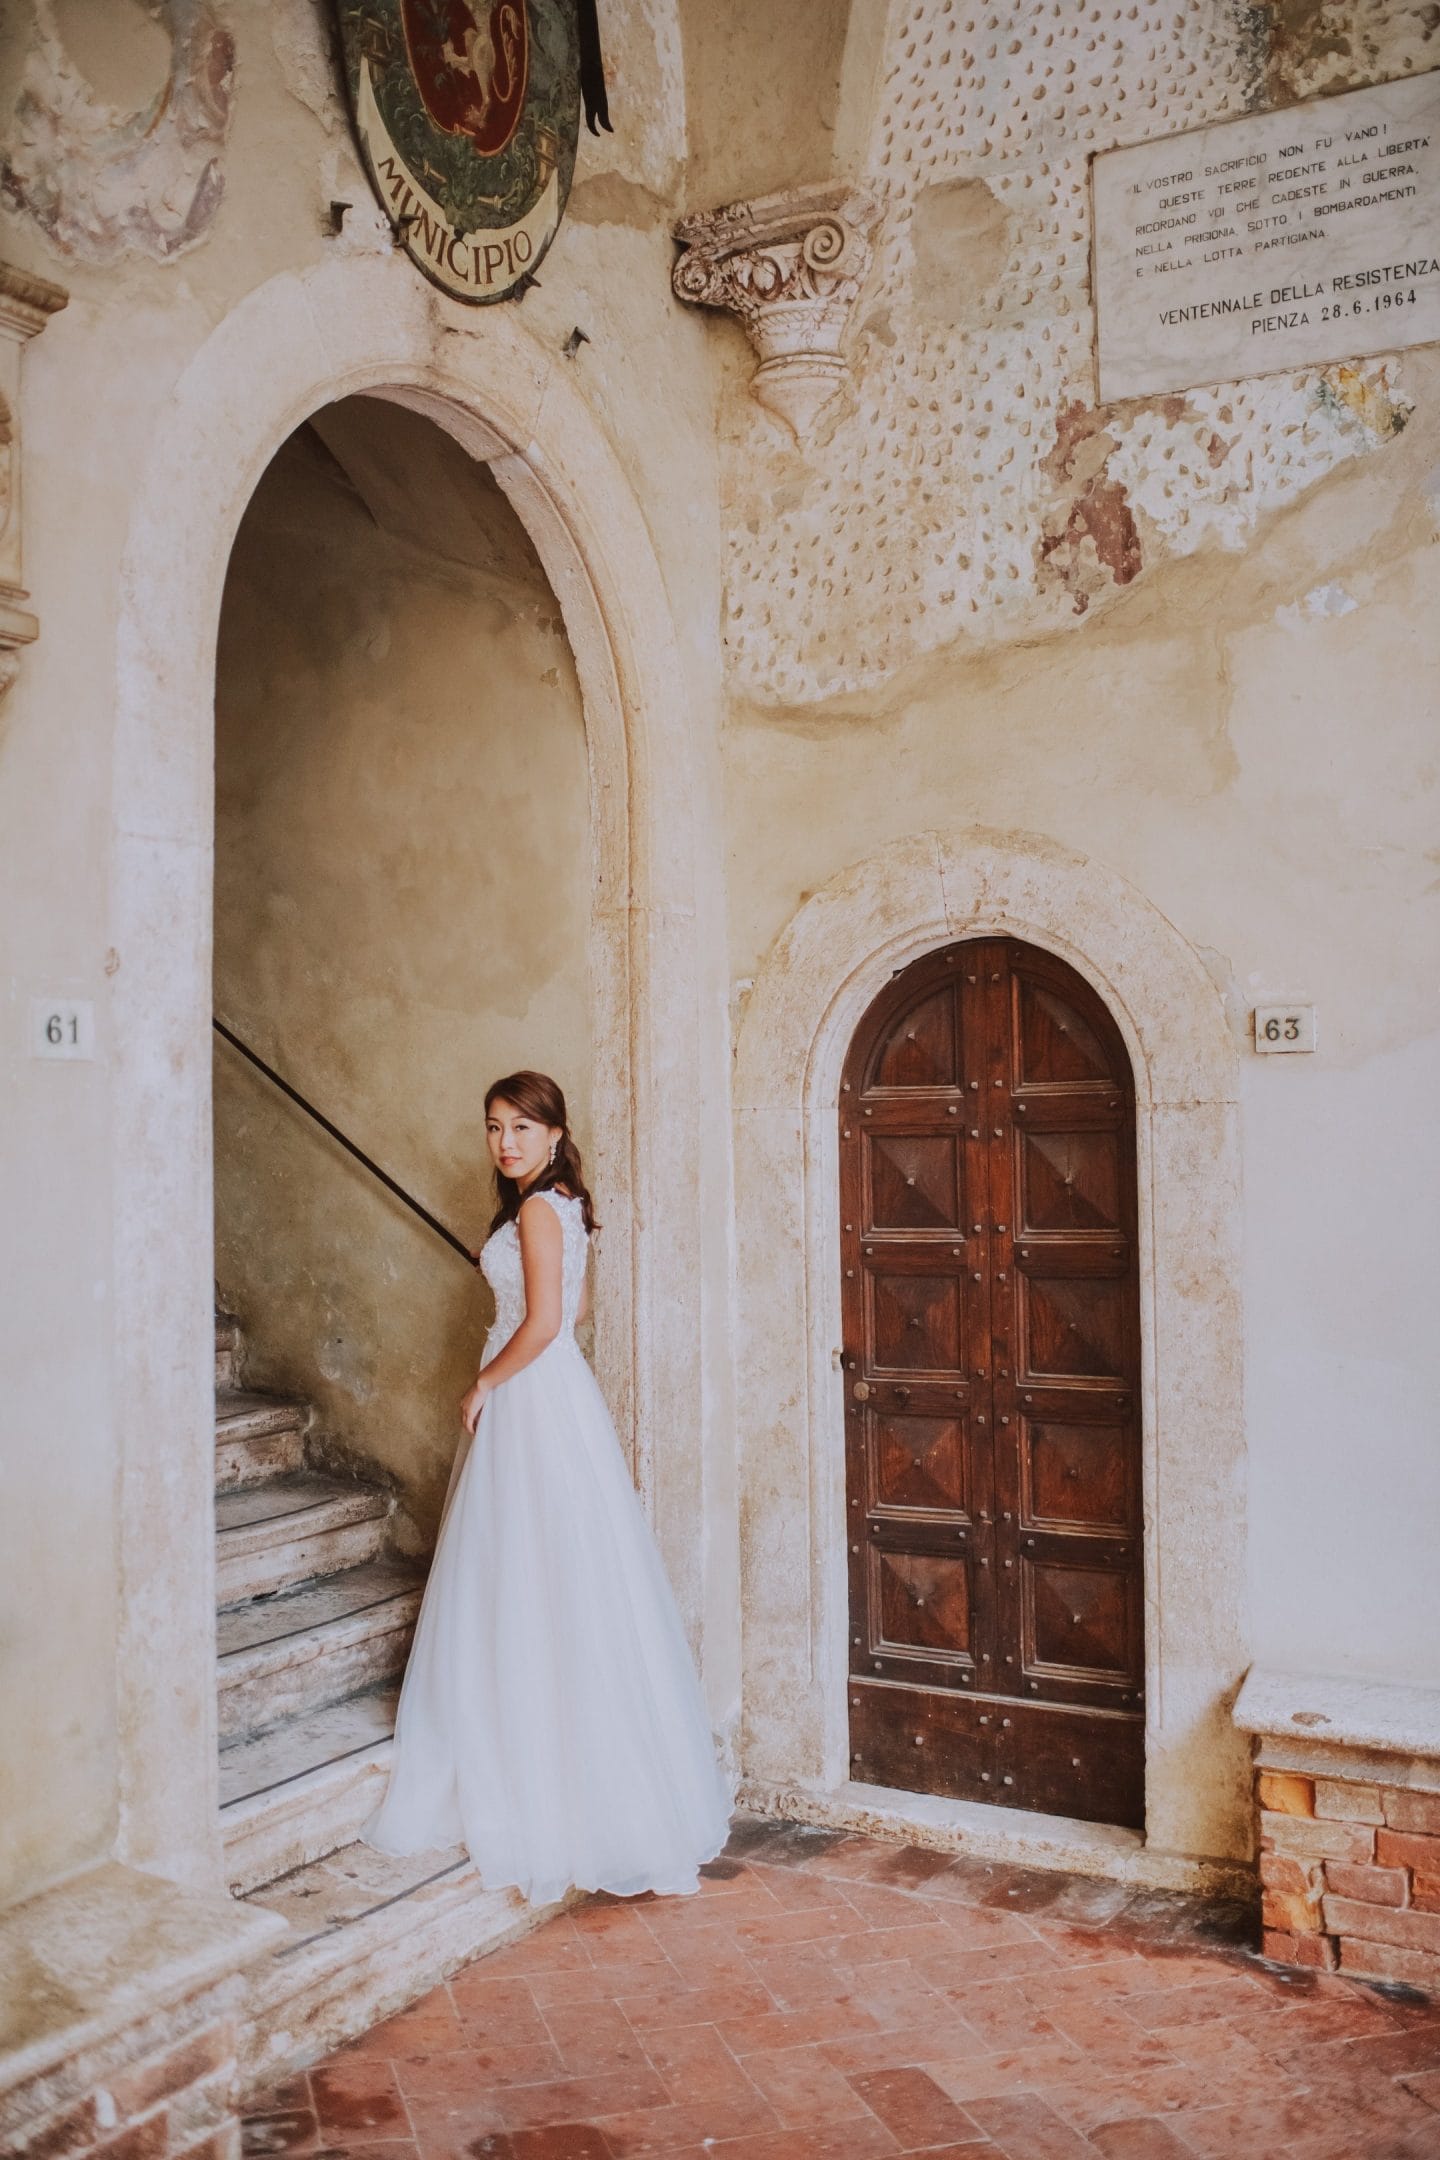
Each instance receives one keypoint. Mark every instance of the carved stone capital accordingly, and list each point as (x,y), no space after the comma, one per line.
(26,305)
(791,267)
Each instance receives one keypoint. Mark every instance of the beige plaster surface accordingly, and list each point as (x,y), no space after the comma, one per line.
(833,957)
(174,387)
(402,904)
(1216,718)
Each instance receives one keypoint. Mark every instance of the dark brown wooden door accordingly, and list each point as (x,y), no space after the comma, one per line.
(991,1314)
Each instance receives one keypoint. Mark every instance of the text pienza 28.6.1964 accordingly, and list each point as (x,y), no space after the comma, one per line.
(1270,242)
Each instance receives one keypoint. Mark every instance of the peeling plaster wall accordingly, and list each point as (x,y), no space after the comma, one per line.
(1196,639)
(402,913)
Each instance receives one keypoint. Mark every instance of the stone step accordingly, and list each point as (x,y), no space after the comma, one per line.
(285,1656)
(257,1436)
(283,1530)
(292,1795)
(229,1349)
(369,1935)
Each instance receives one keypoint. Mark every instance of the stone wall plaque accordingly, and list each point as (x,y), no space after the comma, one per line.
(1274,241)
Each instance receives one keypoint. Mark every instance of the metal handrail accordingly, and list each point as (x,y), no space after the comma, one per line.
(391,1184)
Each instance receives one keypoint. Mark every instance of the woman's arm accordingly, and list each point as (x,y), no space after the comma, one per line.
(542,1261)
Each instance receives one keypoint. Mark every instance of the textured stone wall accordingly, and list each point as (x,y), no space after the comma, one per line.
(975,493)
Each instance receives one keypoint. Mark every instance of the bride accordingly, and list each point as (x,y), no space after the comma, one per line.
(550,1717)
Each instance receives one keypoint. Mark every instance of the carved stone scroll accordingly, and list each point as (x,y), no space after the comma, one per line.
(790,266)
(26,305)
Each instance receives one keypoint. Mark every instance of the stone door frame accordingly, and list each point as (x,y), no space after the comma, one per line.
(294,345)
(816,984)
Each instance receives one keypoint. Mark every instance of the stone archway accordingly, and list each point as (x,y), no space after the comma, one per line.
(817,981)
(296,344)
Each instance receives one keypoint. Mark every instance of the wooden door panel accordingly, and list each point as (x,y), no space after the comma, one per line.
(1055,1042)
(916,1321)
(919,1047)
(920,1739)
(917,1466)
(1069,1181)
(1077,1621)
(1075,1477)
(1072,1327)
(991,1361)
(921,1601)
(1083,1763)
(912,1181)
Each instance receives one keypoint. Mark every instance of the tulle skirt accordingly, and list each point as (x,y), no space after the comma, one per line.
(551,1719)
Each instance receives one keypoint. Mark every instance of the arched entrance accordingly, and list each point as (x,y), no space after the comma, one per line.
(836,956)
(991,1318)
(364,326)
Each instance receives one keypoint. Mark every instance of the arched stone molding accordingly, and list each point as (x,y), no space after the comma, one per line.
(295,344)
(817,981)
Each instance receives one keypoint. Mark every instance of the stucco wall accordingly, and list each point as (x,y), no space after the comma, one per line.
(932,622)
(86,871)
(402,912)
(939,618)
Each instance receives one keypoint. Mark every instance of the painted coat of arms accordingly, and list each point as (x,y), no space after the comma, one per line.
(468,117)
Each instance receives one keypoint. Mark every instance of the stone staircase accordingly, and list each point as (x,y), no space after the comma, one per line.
(316,1613)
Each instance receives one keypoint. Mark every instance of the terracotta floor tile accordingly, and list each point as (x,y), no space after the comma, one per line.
(594,2037)
(499,2013)
(1021,2070)
(614,2092)
(1261,2126)
(694,2064)
(687,2126)
(358,2101)
(697,2006)
(828,1997)
(1425,2084)
(423,2077)
(557,2141)
(857,2140)
(447,2126)
(381,2149)
(603,1983)
(802,2087)
(914,2109)
(1025,2128)
(1001,2017)
(806,1973)
(716,1962)
(807,1923)
(794,2028)
(962,1967)
(940,2038)
(428,2027)
(922,1939)
(1142,2137)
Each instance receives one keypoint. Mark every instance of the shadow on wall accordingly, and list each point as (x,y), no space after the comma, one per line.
(402,901)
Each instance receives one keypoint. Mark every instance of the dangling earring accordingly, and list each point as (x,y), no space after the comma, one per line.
(554,1144)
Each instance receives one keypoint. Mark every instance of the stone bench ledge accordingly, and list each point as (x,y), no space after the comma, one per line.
(1373,1716)
(83,1962)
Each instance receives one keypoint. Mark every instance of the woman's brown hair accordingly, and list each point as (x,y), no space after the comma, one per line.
(535,1095)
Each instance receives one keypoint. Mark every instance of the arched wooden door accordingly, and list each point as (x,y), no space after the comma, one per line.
(991,1319)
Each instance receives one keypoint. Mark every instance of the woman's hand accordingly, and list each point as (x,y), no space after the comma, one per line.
(472,1404)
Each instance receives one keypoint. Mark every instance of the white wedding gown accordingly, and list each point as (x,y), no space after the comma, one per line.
(550,1718)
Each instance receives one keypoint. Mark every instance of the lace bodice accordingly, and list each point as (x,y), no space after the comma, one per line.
(500,1264)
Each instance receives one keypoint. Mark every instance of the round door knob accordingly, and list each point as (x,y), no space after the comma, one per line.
(861,1391)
